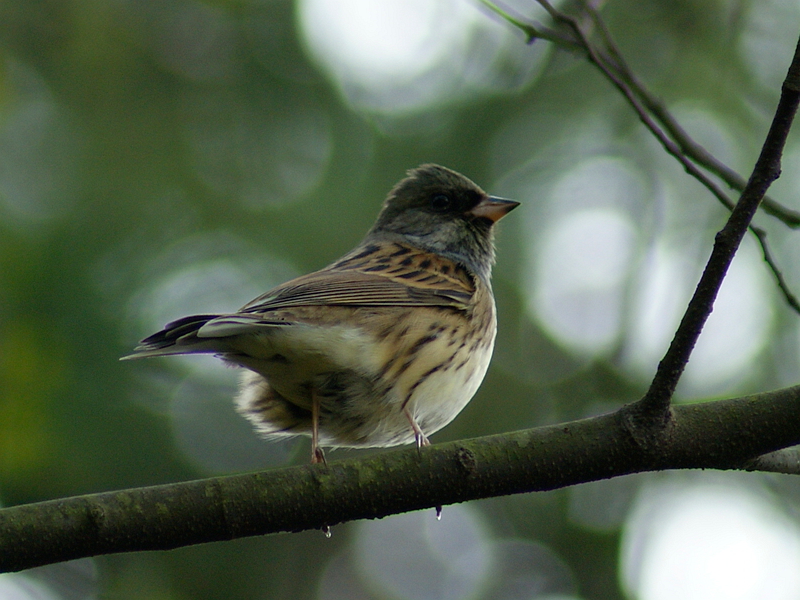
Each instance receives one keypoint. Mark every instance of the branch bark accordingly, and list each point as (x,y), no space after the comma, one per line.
(727,434)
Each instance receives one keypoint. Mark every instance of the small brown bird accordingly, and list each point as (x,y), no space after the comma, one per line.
(383,347)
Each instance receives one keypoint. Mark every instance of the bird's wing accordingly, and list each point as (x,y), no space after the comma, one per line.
(376,275)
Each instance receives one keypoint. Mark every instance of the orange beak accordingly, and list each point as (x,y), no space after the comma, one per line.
(494,208)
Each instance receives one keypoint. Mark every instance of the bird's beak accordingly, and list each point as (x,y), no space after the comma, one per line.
(494,208)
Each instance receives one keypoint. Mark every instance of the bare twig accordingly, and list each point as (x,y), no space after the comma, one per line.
(533,31)
(672,137)
(605,66)
(654,407)
(780,281)
(682,143)
(622,77)
(687,145)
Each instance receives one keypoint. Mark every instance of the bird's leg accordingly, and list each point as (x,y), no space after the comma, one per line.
(317,455)
(422,440)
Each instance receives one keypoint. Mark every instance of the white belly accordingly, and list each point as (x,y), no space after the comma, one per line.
(443,395)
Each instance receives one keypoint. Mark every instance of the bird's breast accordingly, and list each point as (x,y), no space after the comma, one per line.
(447,371)
(374,363)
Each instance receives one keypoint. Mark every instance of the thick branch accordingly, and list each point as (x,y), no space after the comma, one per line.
(722,435)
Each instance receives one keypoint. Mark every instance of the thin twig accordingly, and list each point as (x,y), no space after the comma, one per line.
(788,295)
(601,63)
(675,141)
(620,75)
(532,31)
(655,406)
(687,145)
(615,61)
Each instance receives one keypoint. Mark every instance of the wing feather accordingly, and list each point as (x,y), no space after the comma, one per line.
(421,279)
(378,275)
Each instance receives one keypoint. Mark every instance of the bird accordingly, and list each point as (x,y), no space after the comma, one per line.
(384,346)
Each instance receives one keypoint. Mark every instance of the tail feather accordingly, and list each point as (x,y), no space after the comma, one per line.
(178,337)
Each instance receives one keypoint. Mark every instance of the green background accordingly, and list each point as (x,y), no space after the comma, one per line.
(120,170)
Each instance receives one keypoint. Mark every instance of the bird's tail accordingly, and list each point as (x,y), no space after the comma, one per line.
(178,337)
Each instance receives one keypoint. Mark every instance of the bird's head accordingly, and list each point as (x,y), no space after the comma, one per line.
(441,211)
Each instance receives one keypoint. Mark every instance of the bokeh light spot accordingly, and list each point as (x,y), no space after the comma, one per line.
(770,26)
(241,149)
(415,557)
(192,39)
(207,273)
(581,265)
(40,149)
(391,56)
(660,288)
(708,541)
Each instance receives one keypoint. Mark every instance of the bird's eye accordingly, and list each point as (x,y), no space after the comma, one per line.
(441,203)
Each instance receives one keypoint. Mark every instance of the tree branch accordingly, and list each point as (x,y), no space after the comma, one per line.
(653,409)
(650,110)
(786,461)
(652,413)
(688,147)
(726,434)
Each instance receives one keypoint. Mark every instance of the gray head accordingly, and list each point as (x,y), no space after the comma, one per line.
(442,211)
